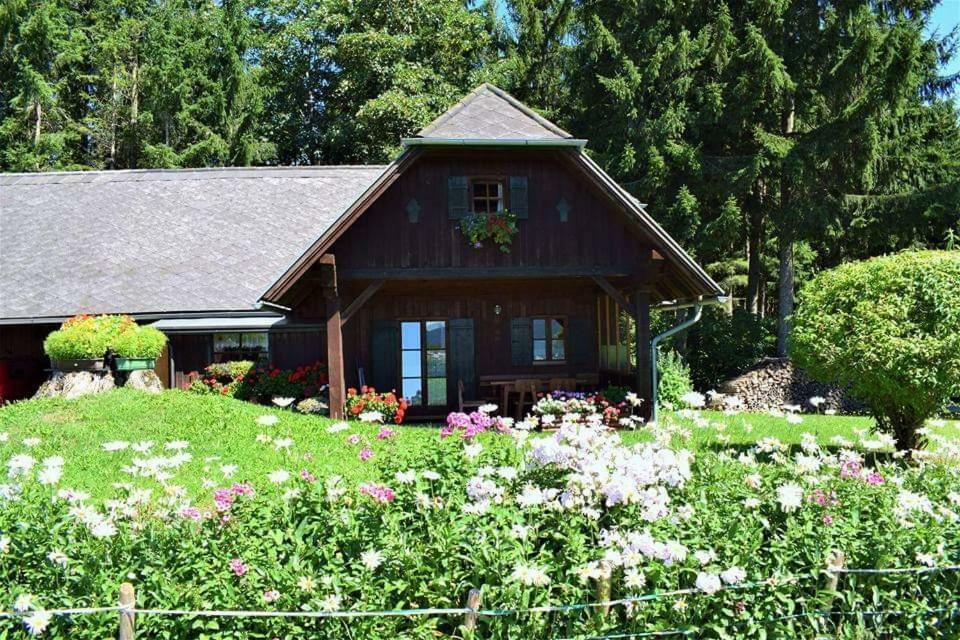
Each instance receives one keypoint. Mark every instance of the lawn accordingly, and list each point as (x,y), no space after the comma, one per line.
(222,432)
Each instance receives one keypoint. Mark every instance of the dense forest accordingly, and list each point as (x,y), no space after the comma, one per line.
(772,138)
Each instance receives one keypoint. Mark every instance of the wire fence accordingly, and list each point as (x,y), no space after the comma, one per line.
(127,610)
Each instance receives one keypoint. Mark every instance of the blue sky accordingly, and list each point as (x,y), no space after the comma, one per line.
(945,18)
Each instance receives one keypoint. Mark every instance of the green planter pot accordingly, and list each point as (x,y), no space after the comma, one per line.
(135,364)
(77,364)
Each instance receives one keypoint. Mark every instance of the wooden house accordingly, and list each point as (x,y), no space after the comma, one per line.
(366,268)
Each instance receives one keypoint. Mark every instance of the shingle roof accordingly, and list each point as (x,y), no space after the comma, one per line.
(160,241)
(490,113)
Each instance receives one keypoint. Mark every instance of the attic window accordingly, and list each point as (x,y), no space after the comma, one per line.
(487,195)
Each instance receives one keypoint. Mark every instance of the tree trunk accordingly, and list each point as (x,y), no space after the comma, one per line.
(134,116)
(36,129)
(786,275)
(785,292)
(754,252)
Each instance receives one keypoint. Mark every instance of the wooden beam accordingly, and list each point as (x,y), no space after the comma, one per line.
(483,273)
(641,305)
(337,386)
(360,300)
(612,291)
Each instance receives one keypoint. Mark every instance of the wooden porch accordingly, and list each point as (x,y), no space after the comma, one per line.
(425,333)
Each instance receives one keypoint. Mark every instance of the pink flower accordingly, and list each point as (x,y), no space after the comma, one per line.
(242,489)
(309,477)
(366,453)
(874,478)
(190,513)
(353,438)
(239,567)
(223,499)
(850,469)
(386,433)
(827,519)
(271,596)
(380,493)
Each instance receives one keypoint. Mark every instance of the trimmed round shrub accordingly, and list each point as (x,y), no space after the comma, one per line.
(888,329)
(85,337)
(673,378)
(139,342)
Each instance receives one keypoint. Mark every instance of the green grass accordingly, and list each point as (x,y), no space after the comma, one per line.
(224,431)
(220,431)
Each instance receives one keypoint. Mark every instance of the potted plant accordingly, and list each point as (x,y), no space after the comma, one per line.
(81,342)
(138,348)
(500,227)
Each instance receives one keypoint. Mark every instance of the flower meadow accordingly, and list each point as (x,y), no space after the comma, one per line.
(554,511)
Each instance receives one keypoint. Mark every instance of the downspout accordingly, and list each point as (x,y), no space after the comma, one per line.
(689,322)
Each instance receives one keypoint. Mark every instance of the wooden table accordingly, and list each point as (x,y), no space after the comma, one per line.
(507,387)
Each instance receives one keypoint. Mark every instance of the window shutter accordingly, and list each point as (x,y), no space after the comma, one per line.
(580,340)
(458,200)
(463,358)
(518,197)
(385,355)
(521,342)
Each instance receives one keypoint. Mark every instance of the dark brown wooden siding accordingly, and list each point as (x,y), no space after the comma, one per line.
(189,352)
(593,234)
(290,349)
(22,361)
(402,301)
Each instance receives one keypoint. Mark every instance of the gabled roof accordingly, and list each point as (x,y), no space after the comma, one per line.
(490,113)
(160,241)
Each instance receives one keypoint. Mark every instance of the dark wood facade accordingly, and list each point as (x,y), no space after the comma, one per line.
(406,257)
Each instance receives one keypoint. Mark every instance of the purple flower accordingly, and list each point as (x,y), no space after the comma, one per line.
(386,433)
(239,567)
(366,453)
(271,596)
(309,477)
(827,519)
(874,478)
(353,439)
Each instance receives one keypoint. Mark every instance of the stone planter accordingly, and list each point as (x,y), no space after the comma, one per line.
(135,364)
(77,364)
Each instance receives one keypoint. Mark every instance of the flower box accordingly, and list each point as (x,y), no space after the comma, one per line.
(70,365)
(135,364)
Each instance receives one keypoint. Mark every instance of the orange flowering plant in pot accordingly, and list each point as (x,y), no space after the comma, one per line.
(366,404)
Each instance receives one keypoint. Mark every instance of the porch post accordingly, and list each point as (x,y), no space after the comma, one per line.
(336,388)
(641,309)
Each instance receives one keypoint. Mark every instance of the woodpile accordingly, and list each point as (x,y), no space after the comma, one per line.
(774,383)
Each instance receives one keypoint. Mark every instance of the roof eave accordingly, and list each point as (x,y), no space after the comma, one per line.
(486,142)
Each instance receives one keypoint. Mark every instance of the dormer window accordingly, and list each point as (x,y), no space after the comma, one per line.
(487,195)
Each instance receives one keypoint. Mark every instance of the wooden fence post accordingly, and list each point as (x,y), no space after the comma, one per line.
(835,561)
(473,602)
(603,586)
(127,599)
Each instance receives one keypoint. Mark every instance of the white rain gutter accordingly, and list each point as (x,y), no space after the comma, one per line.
(697,306)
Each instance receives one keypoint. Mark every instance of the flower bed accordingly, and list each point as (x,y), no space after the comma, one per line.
(532,519)
(243,380)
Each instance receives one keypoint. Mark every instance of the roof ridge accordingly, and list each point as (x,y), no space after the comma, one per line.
(449,114)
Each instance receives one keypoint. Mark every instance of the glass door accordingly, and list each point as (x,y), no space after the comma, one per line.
(423,362)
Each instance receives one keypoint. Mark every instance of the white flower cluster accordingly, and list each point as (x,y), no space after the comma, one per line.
(597,472)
